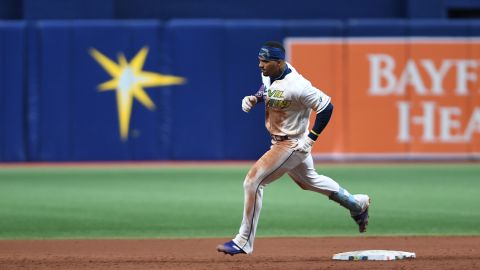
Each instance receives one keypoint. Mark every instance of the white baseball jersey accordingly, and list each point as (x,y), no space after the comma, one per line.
(289,102)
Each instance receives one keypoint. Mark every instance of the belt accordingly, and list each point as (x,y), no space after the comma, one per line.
(279,138)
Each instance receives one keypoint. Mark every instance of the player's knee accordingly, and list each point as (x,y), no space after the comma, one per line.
(251,180)
(249,184)
(303,186)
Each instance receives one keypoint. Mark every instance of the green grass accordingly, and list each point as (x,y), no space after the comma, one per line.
(186,202)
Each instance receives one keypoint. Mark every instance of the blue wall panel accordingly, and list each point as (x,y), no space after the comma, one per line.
(245,134)
(68,9)
(95,112)
(221,9)
(201,56)
(32,97)
(425,9)
(376,28)
(54,63)
(10,9)
(252,9)
(314,28)
(12,109)
(88,127)
(474,28)
(434,28)
(151,130)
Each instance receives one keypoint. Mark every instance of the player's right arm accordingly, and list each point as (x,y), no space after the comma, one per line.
(249,101)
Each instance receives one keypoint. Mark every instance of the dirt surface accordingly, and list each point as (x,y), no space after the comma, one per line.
(437,253)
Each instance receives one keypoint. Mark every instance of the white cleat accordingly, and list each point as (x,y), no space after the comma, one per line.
(362,218)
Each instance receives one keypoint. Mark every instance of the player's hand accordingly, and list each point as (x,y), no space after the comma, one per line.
(248,102)
(304,145)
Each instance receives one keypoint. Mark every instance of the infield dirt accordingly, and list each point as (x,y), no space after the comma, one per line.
(439,253)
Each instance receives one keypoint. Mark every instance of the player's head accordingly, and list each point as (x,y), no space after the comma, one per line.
(272,50)
(271,58)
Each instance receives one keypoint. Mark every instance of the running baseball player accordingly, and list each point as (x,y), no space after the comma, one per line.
(289,99)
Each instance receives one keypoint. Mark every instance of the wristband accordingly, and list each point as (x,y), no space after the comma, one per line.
(312,135)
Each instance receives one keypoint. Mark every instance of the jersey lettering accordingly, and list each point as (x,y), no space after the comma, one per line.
(276,99)
(275,93)
(278,104)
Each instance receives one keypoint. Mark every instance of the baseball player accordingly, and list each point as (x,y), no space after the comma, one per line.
(289,99)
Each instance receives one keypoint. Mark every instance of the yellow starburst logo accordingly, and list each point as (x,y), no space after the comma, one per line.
(128,80)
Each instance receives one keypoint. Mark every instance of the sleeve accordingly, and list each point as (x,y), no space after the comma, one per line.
(260,93)
(314,98)
(318,101)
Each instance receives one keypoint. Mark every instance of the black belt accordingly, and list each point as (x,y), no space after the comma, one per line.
(279,138)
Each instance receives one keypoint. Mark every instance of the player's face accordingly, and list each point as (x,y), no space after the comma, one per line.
(270,68)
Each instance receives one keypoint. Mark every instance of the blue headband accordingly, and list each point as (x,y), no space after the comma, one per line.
(271,53)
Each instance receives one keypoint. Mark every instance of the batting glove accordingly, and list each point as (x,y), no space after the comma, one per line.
(248,102)
(304,145)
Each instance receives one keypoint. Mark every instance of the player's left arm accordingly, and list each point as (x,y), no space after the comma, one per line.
(319,102)
(321,121)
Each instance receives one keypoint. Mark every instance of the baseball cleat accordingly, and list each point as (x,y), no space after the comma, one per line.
(230,248)
(362,218)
